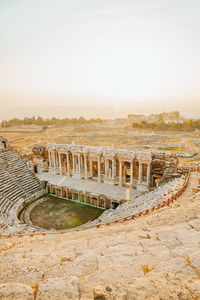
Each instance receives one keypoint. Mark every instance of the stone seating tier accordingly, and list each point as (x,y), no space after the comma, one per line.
(16,183)
(141,203)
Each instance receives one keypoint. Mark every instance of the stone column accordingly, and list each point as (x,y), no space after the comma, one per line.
(148,173)
(57,167)
(91,168)
(73,162)
(85,166)
(106,168)
(140,172)
(79,163)
(60,166)
(113,169)
(131,175)
(54,161)
(68,165)
(49,159)
(120,173)
(99,168)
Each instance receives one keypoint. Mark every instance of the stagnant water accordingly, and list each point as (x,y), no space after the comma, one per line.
(60,213)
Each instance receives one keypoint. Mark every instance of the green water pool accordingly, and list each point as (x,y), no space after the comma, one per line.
(58,213)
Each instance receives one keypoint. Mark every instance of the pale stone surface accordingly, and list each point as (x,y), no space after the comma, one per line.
(17,291)
(194,288)
(153,257)
(80,267)
(179,267)
(157,287)
(195,262)
(58,288)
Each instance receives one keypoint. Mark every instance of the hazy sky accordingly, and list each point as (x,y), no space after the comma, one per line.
(144,53)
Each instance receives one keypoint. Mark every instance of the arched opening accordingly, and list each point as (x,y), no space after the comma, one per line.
(94,169)
(157,171)
(127,172)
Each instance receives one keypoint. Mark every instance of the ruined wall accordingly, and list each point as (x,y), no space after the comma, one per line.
(134,168)
(3,143)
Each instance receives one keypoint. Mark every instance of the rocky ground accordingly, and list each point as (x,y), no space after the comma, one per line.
(156,256)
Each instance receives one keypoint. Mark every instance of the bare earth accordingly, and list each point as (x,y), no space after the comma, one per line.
(24,138)
(156,256)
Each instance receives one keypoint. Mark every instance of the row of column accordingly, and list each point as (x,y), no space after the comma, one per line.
(55,162)
(78,167)
(131,173)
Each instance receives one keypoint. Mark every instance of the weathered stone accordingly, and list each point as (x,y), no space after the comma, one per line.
(17,291)
(80,267)
(152,257)
(156,288)
(194,288)
(195,262)
(58,288)
(178,267)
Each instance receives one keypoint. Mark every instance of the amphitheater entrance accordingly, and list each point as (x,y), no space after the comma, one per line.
(155,180)
(115,205)
(58,213)
(157,171)
(35,169)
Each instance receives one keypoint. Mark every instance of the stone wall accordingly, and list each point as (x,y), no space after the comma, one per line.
(3,143)
(94,199)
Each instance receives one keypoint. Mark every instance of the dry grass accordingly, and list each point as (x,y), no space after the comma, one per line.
(24,138)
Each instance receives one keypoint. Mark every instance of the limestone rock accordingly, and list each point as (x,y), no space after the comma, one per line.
(17,291)
(195,262)
(80,267)
(104,293)
(194,288)
(177,267)
(157,287)
(58,288)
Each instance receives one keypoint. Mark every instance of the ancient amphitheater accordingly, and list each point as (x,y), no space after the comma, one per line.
(145,244)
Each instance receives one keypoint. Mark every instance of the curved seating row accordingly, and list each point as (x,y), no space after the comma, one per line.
(141,203)
(17,182)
